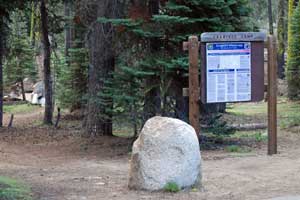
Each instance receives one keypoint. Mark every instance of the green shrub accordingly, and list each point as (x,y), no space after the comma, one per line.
(172,187)
(259,137)
(12,190)
(219,127)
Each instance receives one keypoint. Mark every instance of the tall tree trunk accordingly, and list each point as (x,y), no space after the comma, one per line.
(291,6)
(68,9)
(270,15)
(47,68)
(1,70)
(152,104)
(281,35)
(23,90)
(33,22)
(98,118)
(39,58)
(75,37)
(292,70)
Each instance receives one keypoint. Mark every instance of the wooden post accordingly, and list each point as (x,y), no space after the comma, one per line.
(272,95)
(194,115)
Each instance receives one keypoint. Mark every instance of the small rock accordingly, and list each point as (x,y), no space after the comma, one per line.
(100,183)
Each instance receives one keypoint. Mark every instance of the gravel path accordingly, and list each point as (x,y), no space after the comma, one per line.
(59,167)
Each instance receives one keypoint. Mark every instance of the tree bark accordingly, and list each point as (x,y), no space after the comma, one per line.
(68,9)
(1,71)
(152,104)
(48,115)
(270,15)
(23,90)
(98,118)
(281,36)
(33,22)
(291,7)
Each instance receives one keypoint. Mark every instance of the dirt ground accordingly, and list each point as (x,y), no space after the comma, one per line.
(59,165)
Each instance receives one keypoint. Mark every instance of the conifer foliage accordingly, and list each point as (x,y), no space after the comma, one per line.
(293,68)
(5,8)
(177,19)
(19,62)
(121,60)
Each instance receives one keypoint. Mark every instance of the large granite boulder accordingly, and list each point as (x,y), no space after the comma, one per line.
(167,151)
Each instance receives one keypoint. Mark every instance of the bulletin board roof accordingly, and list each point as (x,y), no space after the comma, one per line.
(233,37)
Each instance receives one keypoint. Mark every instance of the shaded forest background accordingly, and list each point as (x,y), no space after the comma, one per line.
(121,62)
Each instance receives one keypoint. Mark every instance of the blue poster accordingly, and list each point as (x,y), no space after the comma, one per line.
(228,75)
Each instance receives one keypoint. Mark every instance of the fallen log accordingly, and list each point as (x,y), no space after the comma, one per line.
(243,127)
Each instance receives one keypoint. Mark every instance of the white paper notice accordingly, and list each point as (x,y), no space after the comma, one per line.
(228,72)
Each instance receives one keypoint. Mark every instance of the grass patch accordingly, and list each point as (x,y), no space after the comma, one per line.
(288,112)
(171,187)
(13,190)
(289,123)
(123,129)
(289,115)
(257,136)
(237,149)
(38,122)
(248,109)
(21,108)
(124,132)
(260,137)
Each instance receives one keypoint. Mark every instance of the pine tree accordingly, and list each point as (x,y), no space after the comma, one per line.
(19,59)
(5,8)
(48,115)
(72,70)
(174,23)
(293,65)
(291,7)
(281,35)
(101,63)
(260,13)
(72,76)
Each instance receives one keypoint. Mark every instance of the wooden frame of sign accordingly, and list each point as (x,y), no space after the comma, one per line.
(236,65)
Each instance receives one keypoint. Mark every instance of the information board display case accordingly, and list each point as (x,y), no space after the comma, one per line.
(232,67)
